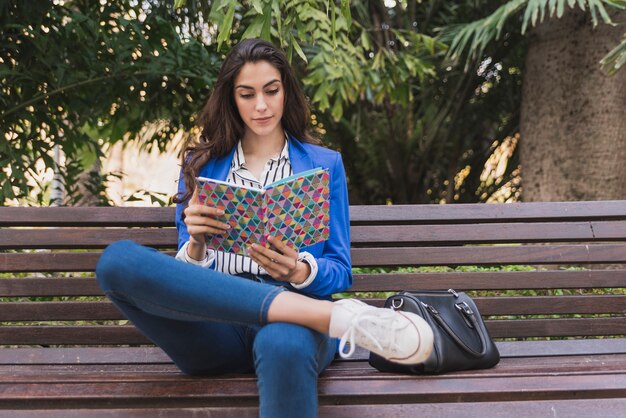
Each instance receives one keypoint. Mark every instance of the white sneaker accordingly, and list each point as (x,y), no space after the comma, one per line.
(400,337)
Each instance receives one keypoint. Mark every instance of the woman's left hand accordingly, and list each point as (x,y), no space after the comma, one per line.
(282,264)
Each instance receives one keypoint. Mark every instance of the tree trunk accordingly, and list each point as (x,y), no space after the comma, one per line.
(573,116)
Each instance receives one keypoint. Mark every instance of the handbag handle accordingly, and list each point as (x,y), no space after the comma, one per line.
(469,314)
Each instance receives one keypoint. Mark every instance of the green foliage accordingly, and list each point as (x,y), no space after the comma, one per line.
(615,59)
(472,38)
(78,74)
(81,75)
(409,144)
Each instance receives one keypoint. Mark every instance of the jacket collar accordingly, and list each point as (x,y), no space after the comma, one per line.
(299,158)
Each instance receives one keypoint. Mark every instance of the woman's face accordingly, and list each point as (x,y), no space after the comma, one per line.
(260,99)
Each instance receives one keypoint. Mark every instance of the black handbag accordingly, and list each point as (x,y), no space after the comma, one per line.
(461,341)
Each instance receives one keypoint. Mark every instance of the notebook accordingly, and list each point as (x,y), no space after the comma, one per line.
(295,209)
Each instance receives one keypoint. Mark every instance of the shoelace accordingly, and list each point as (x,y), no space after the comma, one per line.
(378,318)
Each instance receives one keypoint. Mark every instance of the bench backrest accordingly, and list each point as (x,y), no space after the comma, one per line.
(48,255)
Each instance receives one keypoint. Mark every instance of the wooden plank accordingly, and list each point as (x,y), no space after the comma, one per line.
(571,327)
(591,408)
(598,408)
(550,305)
(586,347)
(473,212)
(154,355)
(127,334)
(374,282)
(52,286)
(542,305)
(59,311)
(463,213)
(587,350)
(496,280)
(488,306)
(86,216)
(48,262)
(220,393)
(145,372)
(377,388)
(489,255)
(83,355)
(412,235)
(70,335)
(85,238)
(372,257)
(477,389)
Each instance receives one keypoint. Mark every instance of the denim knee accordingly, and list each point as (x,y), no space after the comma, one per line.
(289,346)
(112,263)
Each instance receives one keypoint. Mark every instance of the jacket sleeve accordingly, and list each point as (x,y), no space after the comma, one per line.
(333,256)
(183,235)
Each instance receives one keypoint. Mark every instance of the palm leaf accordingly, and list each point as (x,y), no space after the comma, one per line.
(615,59)
(472,38)
(475,36)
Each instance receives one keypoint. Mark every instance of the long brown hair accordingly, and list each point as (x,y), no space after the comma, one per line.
(220,123)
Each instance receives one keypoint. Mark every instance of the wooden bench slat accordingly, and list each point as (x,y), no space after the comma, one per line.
(371,282)
(549,348)
(83,355)
(496,280)
(521,328)
(518,305)
(463,213)
(532,366)
(86,216)
(543,305)
(86,238)
(371,257)
(489,255)
(49,262)
(591,408)
(487,233)
(126,334)
(372,388)
(59,311)
(53,286)
(72,335)
(551,305)
(154,355)
(474,212)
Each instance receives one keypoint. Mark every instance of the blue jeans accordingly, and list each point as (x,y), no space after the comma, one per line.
(211,323)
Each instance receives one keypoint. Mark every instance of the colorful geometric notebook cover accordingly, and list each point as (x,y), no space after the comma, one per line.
(295,209)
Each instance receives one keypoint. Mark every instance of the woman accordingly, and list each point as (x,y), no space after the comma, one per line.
(268,312)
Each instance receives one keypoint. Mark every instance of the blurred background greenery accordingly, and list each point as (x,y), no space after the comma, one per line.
(429,101)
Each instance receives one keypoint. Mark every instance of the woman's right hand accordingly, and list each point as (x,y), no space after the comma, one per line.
(201,220)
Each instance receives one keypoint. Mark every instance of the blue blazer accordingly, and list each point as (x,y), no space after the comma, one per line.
(333,256)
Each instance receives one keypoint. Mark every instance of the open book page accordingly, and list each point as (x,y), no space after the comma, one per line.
(243,211)
(298,208)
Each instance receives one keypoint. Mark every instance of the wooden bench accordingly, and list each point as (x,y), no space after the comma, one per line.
(67,351)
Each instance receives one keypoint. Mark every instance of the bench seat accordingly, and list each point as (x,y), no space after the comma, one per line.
(129,381)
(557,312)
